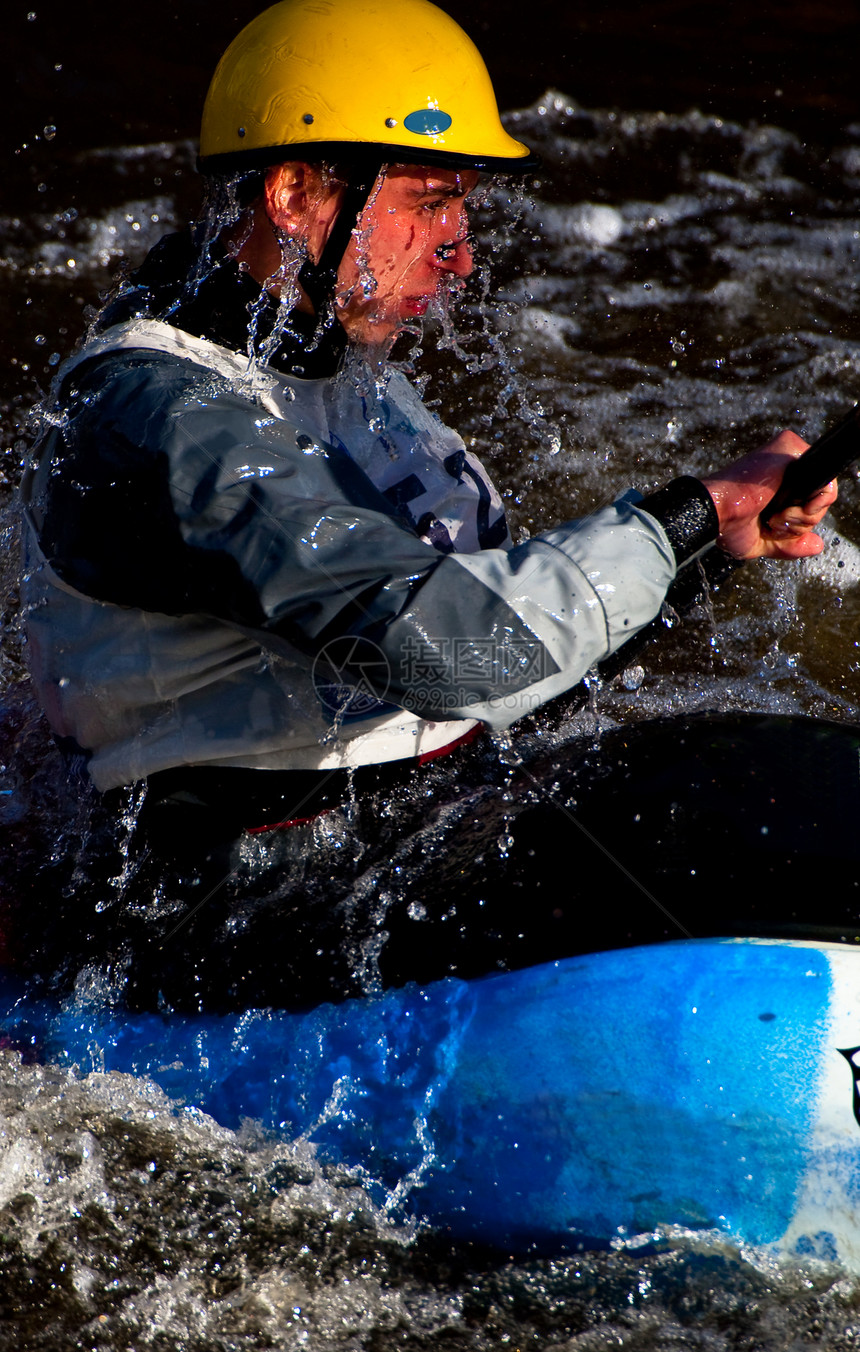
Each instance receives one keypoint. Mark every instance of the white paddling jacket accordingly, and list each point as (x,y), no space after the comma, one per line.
(227,566)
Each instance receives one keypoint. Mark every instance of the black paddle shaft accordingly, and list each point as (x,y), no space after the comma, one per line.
(824,460)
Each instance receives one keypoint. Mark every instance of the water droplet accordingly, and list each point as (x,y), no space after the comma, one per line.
(40,340)
(632,678)
(31,16)
(49,132)
(308,118)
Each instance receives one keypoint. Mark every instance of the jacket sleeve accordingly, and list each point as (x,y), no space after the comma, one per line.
(166,490)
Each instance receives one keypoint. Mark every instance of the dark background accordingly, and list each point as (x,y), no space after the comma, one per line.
(136,73)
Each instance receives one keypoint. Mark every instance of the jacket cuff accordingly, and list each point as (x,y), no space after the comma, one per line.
(686,511)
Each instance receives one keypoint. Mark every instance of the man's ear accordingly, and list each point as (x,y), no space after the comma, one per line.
(286,196)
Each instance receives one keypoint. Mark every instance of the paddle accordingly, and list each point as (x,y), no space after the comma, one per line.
(826,458)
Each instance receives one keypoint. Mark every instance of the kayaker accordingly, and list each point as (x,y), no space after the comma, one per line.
(201,531)
(254,559)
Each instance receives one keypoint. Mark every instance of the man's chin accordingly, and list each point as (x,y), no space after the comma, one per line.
(379,329)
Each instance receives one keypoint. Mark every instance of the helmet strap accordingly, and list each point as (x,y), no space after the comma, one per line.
(319,279)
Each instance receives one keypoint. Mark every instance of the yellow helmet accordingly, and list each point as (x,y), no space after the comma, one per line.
(312,78)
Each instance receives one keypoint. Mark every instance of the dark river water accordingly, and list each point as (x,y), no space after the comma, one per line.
(682,280)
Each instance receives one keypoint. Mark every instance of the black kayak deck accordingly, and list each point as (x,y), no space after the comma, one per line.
(703,826)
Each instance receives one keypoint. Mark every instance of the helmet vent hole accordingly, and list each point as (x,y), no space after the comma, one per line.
(308,117)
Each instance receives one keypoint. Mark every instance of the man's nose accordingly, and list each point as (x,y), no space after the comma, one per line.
(455,256)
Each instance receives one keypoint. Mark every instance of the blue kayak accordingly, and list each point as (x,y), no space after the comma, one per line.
(706,1083)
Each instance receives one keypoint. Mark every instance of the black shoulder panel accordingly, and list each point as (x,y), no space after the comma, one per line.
(107,522)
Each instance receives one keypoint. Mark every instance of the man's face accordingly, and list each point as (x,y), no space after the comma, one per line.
(411,242)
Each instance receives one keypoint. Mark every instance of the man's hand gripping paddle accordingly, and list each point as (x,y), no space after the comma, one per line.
(824,460)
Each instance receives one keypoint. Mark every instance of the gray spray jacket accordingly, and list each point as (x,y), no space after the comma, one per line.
(202,534)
